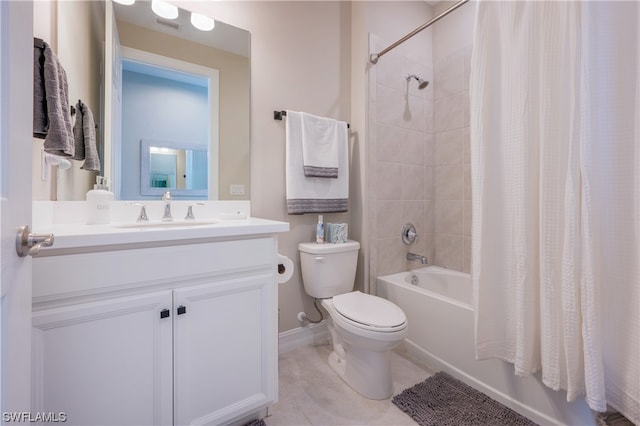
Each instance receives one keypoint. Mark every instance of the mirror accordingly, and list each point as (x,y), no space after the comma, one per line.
(181,168)
(174,87)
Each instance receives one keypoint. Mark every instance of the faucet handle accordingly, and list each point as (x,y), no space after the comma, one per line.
(166,196)
(142,217)
(190,215)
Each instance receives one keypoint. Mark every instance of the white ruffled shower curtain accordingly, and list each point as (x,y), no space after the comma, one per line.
(555,159)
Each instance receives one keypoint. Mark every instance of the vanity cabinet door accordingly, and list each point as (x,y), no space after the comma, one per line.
(225,359)
(107,362)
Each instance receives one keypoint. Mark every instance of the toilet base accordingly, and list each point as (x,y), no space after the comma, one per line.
(362,358)
(368,373)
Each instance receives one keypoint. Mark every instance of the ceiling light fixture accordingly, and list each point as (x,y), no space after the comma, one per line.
(164,9)
(125,2)
(202,22)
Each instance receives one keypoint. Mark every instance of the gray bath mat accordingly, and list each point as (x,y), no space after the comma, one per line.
(258,422)
(442,400)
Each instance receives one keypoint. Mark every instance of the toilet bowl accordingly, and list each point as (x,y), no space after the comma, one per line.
(364,328)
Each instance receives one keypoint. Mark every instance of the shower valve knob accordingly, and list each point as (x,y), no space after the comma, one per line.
(409,233)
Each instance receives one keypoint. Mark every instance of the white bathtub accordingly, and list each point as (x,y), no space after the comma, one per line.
(439,309)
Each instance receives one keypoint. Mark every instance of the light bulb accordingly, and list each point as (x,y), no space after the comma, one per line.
(202,22)
(164,9)
(125,2)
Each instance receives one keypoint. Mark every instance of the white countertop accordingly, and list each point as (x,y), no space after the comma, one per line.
(70,237)
(215,220)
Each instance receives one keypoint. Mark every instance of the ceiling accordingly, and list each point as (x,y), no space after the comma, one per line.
(224,36)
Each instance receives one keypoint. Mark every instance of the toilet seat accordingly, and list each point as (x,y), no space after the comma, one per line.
(369,312)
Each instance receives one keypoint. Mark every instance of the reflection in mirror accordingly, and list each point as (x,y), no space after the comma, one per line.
(176,166)
(164,103)
(224,51)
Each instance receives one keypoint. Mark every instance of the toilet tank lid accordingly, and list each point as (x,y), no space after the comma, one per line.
(327,248)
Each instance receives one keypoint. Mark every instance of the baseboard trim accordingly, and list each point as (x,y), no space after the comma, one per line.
(302,336)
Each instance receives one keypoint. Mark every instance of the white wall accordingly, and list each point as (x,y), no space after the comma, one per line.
(455,31)
(300,60)
(312,56)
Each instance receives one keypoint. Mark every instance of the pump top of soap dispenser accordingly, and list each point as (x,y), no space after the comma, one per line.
(101,183)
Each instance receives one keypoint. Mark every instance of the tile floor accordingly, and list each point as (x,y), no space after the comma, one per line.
(312,394)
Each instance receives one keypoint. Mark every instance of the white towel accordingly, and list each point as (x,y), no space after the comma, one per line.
(320,140)
(313,194)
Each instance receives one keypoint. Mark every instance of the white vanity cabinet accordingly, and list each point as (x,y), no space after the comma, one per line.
(177,334)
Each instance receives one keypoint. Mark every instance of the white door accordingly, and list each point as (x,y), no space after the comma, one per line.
(16,109)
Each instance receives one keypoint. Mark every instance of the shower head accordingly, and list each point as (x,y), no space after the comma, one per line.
(421,83)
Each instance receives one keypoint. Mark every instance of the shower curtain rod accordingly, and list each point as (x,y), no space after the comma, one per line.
(375,56)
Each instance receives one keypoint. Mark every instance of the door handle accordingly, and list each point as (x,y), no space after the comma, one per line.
(28,243)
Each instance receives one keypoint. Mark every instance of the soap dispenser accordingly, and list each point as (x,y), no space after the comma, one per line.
(99,203)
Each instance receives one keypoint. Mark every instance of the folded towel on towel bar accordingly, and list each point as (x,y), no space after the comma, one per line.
(310,194)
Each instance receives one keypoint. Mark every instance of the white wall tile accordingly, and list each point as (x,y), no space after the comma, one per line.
(413,147)
(414,114)
(412,182)
(390,142)
(448,113)
(448,147)
(389,106)
(449,217)
(389,181)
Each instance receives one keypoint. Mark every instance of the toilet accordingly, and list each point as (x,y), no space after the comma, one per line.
(364,328)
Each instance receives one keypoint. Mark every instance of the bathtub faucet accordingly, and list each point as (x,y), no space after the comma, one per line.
(413,256)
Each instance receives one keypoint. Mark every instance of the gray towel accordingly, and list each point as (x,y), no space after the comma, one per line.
(59,139)
(84,133)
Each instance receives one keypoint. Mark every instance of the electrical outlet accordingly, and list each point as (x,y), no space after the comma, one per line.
(236,189)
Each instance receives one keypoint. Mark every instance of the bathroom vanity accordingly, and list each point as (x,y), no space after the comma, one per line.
(157,325)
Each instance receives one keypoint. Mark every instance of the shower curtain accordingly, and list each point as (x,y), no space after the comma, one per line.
(555,159)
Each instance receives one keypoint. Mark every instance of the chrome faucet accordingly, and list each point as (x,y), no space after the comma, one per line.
(413,256)
(142,217)
(166,198)
(190,215)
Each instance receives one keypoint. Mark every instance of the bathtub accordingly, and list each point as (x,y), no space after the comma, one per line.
(438,306)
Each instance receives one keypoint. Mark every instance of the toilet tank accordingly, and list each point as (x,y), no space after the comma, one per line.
(328,269)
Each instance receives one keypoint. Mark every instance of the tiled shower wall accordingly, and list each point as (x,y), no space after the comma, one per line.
(451,162)
(400,162)
(419,163)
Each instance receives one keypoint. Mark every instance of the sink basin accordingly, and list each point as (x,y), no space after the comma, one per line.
(169,224)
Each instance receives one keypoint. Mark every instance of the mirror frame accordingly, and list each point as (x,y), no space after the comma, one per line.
(145,162)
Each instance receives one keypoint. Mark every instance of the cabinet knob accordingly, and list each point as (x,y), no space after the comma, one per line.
(182,310)
(165,313)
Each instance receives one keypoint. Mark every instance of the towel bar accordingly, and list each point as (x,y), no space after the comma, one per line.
(277,115)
